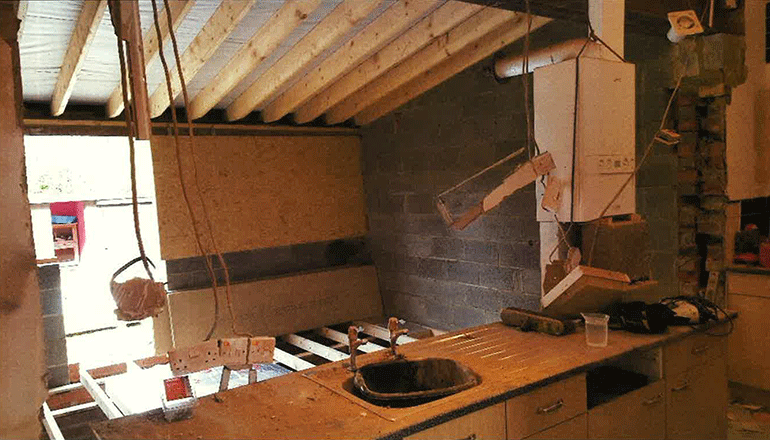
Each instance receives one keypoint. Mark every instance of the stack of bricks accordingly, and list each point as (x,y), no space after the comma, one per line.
(701,188)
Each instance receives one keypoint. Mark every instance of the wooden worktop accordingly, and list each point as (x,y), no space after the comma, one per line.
(314,404)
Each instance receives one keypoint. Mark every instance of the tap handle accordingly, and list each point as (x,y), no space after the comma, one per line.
(393,325)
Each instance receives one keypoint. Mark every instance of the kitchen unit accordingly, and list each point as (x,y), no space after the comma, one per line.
(532,386)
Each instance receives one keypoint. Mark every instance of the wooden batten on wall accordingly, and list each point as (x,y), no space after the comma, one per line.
(278,306)
(260,191)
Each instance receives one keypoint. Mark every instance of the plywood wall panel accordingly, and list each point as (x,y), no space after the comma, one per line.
(260,191)
(278,306)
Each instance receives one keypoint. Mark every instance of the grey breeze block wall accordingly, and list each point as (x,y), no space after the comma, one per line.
(453,279)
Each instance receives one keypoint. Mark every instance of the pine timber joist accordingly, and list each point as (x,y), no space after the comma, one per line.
(323,36)
(224,20)
(342,338)
(179,10)
(394,21)
(480,49)
(334,70)
(315,348)
(442,48)
(85,29)
(254,52)
(438,22)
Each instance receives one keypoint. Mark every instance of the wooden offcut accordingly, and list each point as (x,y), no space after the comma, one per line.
(585,289)
(278,306)
(260,192)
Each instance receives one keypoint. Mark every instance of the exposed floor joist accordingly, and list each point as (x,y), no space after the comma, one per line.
(335,25)
(224,20)
(254,52)
(394,21)
(382,332)
(85,29)
(179,10)
(291,361)
(484,47)
(100,397)
(342,338)
(438,22)
(50,425)
(74,409)
(442,48)
(315,348)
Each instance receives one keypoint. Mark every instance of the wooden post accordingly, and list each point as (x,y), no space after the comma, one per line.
(22,391)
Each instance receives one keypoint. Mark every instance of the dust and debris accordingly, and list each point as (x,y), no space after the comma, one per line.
(219,398)
(747,421)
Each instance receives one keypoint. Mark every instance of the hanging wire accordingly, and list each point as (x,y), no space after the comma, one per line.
(132,159)
(191,135)
(185,195)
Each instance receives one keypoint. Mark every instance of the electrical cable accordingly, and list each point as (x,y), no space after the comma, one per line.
(183,185)
(705,308)
(132,159)
(190,133)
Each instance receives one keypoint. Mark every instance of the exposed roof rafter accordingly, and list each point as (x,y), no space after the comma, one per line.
(438,22)
(261,45)
(179,10)
(335,25)
(224,20)
(394,21)
(440,49)
(85,29)
(480,49)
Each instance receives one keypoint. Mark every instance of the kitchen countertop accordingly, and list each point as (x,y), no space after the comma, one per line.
(314,403)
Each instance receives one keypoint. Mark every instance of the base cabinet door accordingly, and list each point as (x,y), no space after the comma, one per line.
(486,424)
(640,414)
(696,403)
(573,429)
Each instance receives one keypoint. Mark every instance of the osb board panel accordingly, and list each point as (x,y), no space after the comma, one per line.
(260,192)
(278,306)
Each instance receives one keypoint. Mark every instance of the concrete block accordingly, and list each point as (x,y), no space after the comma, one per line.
(464,272)
(501,278)
(480,251)
(447,247)
(521,255)
(49,277)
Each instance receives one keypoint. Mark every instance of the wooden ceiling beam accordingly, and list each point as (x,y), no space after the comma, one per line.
(394,21)
(261,45)
(82,36)
(438,22)
(472,54)
(179,10)
(224,20)
(440,49)
(642,16)
(335,25)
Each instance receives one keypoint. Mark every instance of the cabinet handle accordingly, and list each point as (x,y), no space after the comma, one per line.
(549,409)
(682,387)
(653,400)
(470,437)
(700,350)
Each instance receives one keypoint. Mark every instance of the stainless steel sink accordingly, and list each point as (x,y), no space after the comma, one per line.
(404,382)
